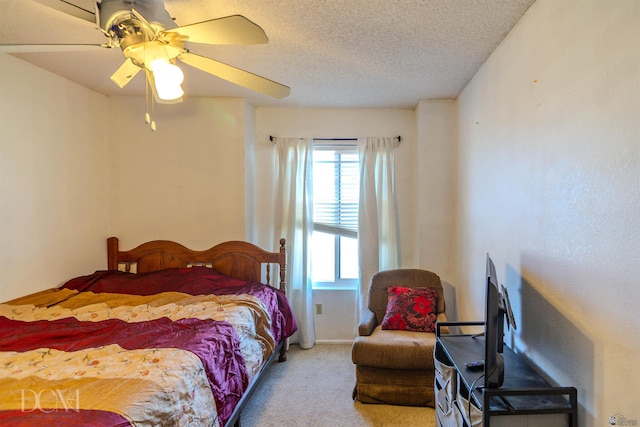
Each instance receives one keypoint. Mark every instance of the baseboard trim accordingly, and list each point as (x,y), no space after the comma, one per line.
(334,341)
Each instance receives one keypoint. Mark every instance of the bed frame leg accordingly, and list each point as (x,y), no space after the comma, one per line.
(284,346)
(283,354)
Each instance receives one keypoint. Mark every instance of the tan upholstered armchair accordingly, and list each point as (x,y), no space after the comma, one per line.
(395,366)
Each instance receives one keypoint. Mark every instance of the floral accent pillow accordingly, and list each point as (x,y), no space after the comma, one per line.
(411,309)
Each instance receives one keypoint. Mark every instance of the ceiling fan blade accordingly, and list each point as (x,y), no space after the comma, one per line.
(235,29)
(235,75)
(70,9)
(125,73)
(38,48)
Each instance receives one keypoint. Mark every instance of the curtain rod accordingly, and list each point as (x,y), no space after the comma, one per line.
(398,138)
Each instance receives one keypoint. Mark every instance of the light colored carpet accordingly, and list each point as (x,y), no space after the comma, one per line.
(313,388)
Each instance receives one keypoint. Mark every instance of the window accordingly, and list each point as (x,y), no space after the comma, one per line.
(334,242)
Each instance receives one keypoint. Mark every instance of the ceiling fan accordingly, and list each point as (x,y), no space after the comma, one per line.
(151,41)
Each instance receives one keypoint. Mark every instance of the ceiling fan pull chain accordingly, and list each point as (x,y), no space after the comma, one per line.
(153,115)
(149,118)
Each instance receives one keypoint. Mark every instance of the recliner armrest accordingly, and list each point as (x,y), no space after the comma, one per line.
(367,323)
(442,317)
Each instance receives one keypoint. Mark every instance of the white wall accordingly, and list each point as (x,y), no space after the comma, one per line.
(437,135)
(251,211)
(54,206)
(435,193)
(549,185)
(186,181)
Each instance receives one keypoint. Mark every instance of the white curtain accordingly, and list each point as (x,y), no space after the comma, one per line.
(294,214)
(378,235)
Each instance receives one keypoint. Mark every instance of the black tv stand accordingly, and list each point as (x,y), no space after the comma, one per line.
(462,399)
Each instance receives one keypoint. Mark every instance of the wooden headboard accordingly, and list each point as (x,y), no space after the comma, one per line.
(242,260)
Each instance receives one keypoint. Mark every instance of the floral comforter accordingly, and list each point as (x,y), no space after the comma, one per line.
(174,347)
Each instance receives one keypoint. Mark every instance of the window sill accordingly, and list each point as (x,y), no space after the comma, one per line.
(333,288)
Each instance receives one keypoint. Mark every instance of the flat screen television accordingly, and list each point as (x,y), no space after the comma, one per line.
(498,309)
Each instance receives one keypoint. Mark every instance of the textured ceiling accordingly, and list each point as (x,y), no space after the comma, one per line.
(331,53)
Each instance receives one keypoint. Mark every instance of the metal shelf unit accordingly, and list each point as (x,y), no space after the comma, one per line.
(461,399)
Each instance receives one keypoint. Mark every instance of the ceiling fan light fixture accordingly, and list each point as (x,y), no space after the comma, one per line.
(168,78)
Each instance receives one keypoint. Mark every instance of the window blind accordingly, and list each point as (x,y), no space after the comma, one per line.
(336,186)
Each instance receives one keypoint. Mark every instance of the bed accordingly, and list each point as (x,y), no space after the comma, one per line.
(165,336)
